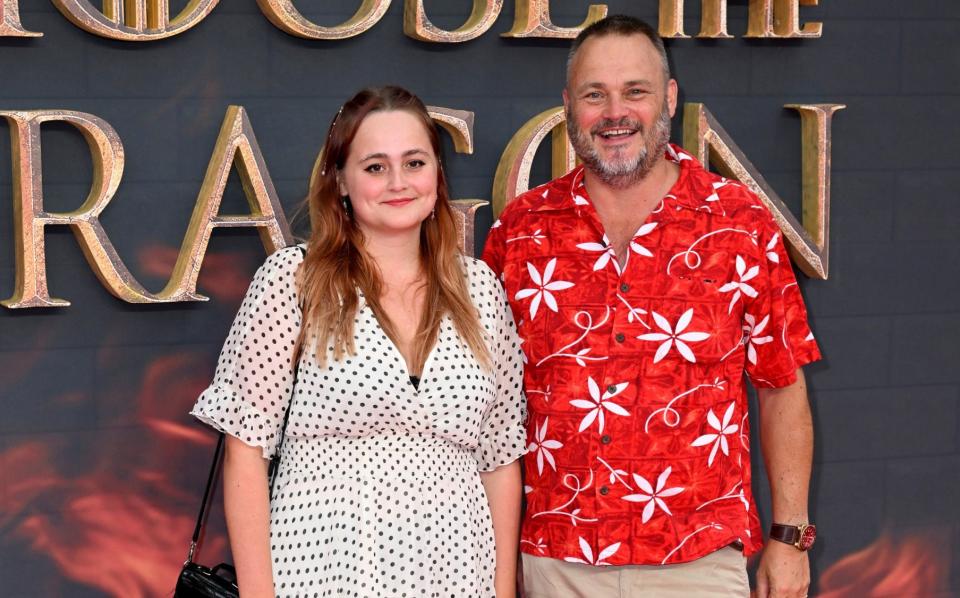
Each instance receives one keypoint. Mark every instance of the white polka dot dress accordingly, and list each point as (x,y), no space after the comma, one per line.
(378,492)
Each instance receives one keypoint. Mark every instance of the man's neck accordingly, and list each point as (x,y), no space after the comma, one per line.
(643,194)
(622,210)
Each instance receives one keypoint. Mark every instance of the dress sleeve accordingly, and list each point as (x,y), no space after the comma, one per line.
(778,337)
(503,430)
(254,378)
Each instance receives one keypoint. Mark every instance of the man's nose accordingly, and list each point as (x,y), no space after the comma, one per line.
(615,108)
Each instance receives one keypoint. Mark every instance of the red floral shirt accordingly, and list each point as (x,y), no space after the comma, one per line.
(638,440)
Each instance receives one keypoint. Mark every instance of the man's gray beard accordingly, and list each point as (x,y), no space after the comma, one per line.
(621,173)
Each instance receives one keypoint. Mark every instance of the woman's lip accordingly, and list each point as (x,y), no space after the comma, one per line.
(399,202)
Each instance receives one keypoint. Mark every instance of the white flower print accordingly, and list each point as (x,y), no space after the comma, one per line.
(719,439)
(771,249)
(642,231)
(543,288)
(606,553)
(542,447)
(741,286)
(607,256)
(580,200)
(598,403)
(674,336)
(540,546)
(752,331)
(536,236)
(653,498)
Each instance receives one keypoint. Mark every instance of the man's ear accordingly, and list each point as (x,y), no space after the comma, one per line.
(672,96)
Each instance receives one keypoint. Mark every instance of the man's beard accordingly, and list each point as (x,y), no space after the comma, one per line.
(620,172)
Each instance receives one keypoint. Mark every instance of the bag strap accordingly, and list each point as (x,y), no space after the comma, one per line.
(206,499)
(218,455)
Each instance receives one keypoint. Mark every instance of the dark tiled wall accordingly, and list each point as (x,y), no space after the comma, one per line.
(88,383)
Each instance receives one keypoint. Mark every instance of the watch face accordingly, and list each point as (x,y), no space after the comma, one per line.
(808,535)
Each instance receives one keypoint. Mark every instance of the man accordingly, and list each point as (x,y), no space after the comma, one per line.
(644,288)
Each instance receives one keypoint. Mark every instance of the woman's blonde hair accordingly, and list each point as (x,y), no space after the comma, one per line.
(337,266)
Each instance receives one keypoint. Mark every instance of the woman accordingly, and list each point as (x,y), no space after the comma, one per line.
(400,366)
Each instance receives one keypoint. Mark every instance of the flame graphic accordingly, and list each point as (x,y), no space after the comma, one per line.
(910,565)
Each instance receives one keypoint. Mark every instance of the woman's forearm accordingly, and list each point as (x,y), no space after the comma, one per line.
(247,507)
(504,490)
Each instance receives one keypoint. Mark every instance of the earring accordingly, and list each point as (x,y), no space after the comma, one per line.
(433,214)
(346,206)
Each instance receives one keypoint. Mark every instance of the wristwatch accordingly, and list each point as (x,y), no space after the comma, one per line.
(800,537)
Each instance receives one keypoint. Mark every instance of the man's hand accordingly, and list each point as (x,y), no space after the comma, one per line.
(784,572)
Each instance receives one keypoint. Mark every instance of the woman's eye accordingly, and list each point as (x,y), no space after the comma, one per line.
(416,164)
(375,168)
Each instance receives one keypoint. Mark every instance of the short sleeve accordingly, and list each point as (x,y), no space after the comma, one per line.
(254,377)
(503,430)
(493,249)
(778,339)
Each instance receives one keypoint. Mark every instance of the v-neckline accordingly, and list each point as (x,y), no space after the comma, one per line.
(399,354)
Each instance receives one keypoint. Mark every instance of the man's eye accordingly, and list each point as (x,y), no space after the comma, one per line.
(636,92)
(594,95)
(375,168)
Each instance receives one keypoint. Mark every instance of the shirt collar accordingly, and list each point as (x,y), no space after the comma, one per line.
(569,192)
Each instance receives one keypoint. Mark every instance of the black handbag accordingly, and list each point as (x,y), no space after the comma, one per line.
(196,580)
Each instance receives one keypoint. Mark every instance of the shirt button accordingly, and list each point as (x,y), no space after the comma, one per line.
(612,389)
(604,490)
(624,287)
(620,337)
(605,439)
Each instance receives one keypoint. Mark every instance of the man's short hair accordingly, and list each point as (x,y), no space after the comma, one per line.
(620,25)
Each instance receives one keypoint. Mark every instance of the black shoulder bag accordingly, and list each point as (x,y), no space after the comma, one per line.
(196,580)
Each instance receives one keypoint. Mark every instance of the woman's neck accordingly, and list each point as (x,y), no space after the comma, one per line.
(398,257)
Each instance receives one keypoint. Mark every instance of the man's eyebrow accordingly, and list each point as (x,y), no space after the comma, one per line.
(383,156)
(598,85)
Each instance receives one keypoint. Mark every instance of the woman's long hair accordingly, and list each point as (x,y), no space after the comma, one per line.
(337,265)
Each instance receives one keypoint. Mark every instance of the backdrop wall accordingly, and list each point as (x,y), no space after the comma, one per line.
(101,468)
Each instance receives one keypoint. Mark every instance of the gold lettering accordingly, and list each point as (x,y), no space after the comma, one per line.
(418,26)
(286,17)
(134,20)
(30,288)
(10,21)
(816,122)
(513,172)
(786,22)
(236,144)
(532,19)
(808,244)
(713,19)
(459,124)
(780,19)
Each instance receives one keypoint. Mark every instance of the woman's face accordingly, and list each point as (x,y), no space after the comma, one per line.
(390,174)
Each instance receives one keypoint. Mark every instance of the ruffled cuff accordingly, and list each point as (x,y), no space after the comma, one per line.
(501,447)
(220,407)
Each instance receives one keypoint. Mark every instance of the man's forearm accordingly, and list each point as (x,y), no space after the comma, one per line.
(786,438)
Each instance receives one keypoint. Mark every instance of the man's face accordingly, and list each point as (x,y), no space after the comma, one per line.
(619,107)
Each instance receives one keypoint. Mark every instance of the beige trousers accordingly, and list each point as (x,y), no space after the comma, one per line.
(722,574)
